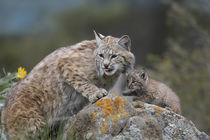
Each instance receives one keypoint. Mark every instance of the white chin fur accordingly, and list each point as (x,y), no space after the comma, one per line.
(110,73)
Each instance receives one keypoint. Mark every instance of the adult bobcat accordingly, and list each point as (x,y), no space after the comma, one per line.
(90,68)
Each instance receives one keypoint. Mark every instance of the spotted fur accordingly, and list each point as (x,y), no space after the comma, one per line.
(63,82)
(151,91)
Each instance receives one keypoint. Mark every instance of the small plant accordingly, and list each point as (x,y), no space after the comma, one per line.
(9,80)
(6,83)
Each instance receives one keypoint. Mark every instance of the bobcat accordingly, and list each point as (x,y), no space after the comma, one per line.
(151,91)
(90,68)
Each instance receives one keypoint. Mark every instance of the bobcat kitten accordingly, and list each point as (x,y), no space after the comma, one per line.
(90,68)
(151,91)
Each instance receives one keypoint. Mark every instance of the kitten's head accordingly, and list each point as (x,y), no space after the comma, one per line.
(113,55)
(137,79)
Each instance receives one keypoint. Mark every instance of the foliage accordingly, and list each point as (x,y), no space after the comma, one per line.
(188,74)
(6,83)
(185,66)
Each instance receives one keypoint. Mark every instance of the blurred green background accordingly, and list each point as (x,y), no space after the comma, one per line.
(171,38)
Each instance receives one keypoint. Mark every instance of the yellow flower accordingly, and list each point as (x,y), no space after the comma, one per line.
(21,73)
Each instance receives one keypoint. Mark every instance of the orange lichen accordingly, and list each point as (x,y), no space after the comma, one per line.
(121,110)
(103,102)
(157,108)
(157,114)
(124,114)
(103,122)
(112,96)
(112,109)
(106,112)
(94,115)
(104,129)
(118,101)
(115,112)
(115,118)
(114,127)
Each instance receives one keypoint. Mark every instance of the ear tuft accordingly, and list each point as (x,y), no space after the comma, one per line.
(98,37)
(125,42)
(101,36)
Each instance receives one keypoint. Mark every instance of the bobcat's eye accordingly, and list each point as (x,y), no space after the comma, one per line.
(114,56)
(101,55)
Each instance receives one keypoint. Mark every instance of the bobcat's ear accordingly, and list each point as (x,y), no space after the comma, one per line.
(98,37)
(143,74)
(125,42)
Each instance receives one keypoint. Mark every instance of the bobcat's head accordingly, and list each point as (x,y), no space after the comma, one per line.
(113,55)
(137,80)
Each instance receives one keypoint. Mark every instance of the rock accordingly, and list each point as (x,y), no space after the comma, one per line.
(114,117)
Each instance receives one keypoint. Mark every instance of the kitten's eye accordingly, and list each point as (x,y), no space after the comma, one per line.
(114,56)
(101,55)
(133,82)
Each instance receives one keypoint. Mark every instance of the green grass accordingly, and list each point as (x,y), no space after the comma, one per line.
(6,83)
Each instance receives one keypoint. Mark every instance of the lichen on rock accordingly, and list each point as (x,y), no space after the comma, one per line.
(112,111)
(114,117)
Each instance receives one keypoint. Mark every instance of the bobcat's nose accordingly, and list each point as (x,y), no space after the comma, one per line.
(106,65)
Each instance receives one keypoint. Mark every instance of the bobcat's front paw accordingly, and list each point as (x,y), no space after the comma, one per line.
(97,95)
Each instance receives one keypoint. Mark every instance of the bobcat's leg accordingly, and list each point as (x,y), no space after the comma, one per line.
(77,79)
(88,90)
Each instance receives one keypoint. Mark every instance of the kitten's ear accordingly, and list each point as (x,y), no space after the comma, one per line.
(98,37)
(125,42)
(143,74)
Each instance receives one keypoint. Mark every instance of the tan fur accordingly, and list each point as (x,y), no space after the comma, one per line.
(152,91)
(62,83)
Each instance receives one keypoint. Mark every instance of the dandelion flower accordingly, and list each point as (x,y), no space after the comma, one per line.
(21,73)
